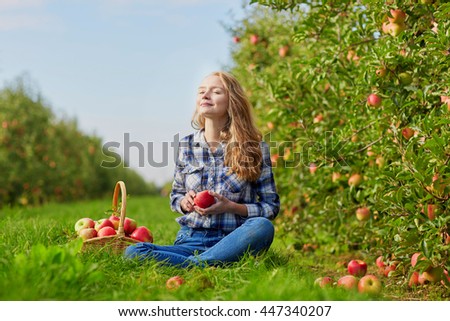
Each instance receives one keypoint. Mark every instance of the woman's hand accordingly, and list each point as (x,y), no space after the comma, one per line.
(187,203)
(222,205)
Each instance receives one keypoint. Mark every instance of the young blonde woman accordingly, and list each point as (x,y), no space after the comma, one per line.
(227,157)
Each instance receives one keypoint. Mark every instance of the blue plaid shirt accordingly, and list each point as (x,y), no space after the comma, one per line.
(199,169)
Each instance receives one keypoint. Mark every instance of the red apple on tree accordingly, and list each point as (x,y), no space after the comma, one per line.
(407,133)
(129,225)
(348,282)
(254,39)
(283,51)
(203,199)
(236,39)
(174,282)
(398,16)
(374,100)
(142,234)
(87,233)
(369,284)
(357,267)
(83,223)
(381,72)
(415,257)
(106,231)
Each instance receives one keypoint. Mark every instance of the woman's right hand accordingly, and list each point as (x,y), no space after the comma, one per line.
(187,203)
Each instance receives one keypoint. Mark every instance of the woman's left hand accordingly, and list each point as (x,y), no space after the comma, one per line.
(221,205)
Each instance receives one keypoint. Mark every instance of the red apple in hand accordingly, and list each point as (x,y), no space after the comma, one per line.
(348,282)
(84,223)
(87,233)
(369,284)
(174,282)
(106,231)
(204,199)
(142,234)
(129,225)
(357,267)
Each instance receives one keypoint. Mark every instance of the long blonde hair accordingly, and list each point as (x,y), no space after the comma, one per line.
(243,153)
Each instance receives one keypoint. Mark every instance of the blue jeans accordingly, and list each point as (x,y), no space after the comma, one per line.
(203,247)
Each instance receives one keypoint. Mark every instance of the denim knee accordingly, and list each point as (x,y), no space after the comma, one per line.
(263,225)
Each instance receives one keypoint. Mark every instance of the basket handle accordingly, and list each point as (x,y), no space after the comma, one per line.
(120,186)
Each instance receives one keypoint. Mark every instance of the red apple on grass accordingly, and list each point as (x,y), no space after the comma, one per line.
(103,223)
(363,214)
(355,180)
(142,234)
(348,282)
(174,282)
(83,223)
(369,284)
(115,220)
(357,267)
(414,279)
(324,281)
(87,233)
(129,225)
(388,270)
(380,262)
(106,231)
(204,199)
(431,275)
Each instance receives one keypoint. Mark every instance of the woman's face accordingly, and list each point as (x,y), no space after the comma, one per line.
(212,98)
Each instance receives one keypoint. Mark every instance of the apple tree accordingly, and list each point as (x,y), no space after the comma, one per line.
(353,97)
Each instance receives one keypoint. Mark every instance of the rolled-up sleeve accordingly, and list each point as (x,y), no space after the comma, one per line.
(268,200)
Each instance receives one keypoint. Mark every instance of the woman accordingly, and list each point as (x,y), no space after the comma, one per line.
(226,157)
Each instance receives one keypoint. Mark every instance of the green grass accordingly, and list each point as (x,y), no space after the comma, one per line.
(41,260)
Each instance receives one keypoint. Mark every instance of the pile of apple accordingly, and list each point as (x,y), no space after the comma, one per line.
(357,279)
(87,228)
(371,284)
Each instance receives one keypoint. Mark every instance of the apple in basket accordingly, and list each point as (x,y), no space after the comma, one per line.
(129,225)
(106,231)
(115,220)
(142,234)
(103,223)
(83,223)
(87,233)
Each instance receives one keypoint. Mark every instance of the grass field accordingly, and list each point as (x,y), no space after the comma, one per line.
(41,260)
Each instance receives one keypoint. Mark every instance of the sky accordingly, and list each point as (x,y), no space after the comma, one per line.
(126,70)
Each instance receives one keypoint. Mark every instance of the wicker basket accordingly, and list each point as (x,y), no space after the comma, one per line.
(113,243)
